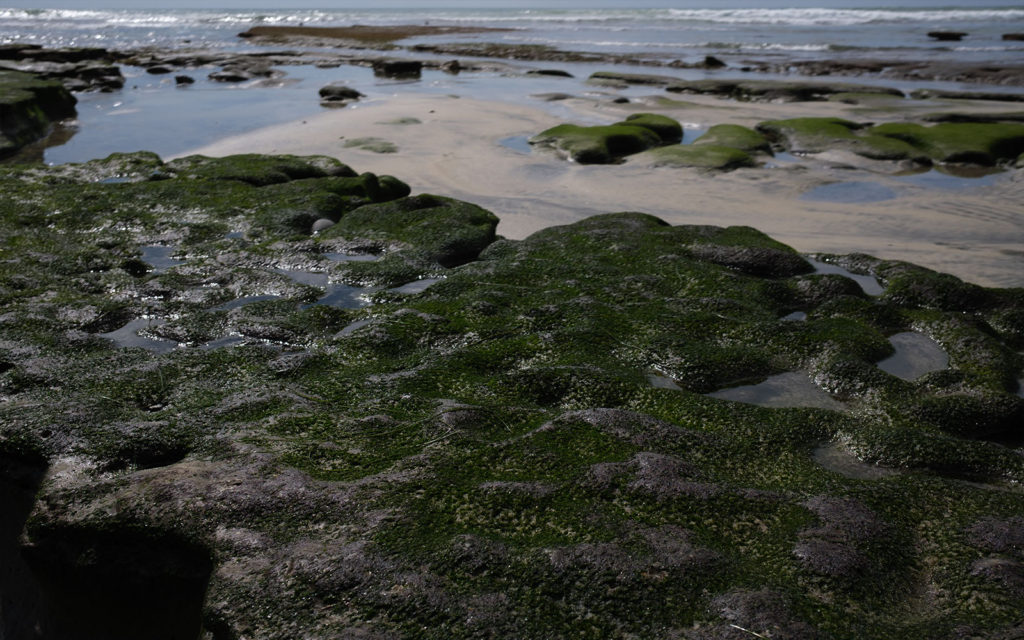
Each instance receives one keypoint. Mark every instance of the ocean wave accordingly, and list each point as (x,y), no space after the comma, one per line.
(793,17)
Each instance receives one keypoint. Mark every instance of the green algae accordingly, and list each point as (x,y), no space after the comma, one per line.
(815,135)
(736,137)
(598,144)
(983,143)
(667,129)
(376,145)
(975,143)
(488,456)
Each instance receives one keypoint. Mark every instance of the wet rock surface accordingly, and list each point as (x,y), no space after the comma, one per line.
(480,452)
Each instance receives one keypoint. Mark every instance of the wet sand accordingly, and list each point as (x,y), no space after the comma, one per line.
(972,229)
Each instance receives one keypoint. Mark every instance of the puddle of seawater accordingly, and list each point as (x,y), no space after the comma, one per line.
(935,179)
(1020,387)
(358,324)
(796,316)
(858,192)
(234,235)
(342,296)
(159,257)
(781,158)
(128,336)
(226,341)
(659,381)
(916,354)
(868,284)
(835,457)
(519,144)
(115,180)
(416,286)
(790,389)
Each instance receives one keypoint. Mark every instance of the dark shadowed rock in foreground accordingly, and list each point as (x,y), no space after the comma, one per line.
(29,107)
(405,426)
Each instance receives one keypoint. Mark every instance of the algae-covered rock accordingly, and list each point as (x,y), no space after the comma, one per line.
(260,440)
(984,143)
(815,135)
(606,144)
(669,130)
(975,143)
(599,144)
(769,90)
(735,136)
(28,108)
(706,156)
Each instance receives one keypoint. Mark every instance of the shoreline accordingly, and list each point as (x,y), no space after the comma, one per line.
(455,150)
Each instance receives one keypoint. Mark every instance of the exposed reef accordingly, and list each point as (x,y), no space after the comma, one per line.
(396,424)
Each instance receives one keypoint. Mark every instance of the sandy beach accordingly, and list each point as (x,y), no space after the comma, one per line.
(453,146)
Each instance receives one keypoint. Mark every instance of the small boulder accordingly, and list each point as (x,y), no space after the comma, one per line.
(1014,36)
(183,79)
(398,68)
(558,73)
(338,93)
(711,62)
(947,36)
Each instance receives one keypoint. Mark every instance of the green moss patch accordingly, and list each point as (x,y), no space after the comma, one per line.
(736,137)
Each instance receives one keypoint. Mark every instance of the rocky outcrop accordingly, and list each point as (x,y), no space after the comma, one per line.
(79,69)
(29,106)
(406,426)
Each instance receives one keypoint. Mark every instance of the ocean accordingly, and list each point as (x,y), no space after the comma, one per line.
(152,113)
(678,30)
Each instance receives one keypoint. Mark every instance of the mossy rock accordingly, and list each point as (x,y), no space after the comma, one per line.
(28,108)
(605,77)
(599,144)
(770,90)
(258,170)
(669,130)
(816,135)
(445,231)
(735,136)
(975,143)
(376,145)
(705,156)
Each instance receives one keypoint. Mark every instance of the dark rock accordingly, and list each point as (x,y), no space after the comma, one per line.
(1013,36)
(229,76)
(711,62)
(998,535)
(947,35)
(184,80)
(339,93)
(28,108)
(397,68)
(762,261)
(1008,574)
(158,69)
(558,73)
(831,559)
(451,66)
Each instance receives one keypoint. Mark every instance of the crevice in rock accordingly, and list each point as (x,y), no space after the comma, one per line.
(23,610)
